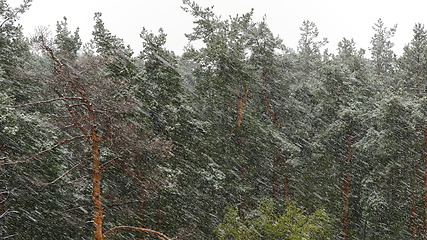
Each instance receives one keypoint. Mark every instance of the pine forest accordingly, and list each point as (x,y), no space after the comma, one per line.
(238,138)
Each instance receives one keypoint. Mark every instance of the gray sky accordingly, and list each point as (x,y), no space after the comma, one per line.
(335,19)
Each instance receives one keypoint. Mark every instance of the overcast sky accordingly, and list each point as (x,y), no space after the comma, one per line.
(335,19)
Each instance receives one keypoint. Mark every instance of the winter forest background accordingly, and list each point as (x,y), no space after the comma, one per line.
(240,137)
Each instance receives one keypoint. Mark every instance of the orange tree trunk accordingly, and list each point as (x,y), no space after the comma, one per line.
(241,101)
(96,175)
(96,189)
(240,107)
(345,193)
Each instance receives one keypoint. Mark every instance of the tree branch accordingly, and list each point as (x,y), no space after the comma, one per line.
(103,167)
(2,163)
(64,174)
(77,105)
(137,229)
(14,13)
(45,101)
(5,21)
(7,212)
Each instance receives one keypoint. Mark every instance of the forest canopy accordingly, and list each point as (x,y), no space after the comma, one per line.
(240,137)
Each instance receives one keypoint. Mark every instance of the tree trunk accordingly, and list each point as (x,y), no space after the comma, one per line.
(241,101)
(96,175)
(345,192)
(346,189)
(96,188)
(241,104)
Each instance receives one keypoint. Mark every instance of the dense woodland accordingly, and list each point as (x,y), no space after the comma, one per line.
(240,137)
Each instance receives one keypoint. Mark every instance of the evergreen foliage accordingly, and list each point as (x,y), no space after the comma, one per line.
(338,141)
(266,222)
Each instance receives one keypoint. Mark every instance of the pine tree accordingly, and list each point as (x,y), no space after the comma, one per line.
(383,57)
(266,57)
(223,88)
(340,109)
(96,101)
(412,74)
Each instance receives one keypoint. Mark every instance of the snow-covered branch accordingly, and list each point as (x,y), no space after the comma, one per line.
(64,174)
(2,163)
(44,101)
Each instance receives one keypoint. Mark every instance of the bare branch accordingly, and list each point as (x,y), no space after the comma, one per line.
(64,174)
(46,47)
(5,21)
(45,101)
(76,105)
(7,212)
(137,229)
(12,163)
(2,163)
(69,125)
(103,167)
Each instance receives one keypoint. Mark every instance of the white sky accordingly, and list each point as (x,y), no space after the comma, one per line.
(335,19)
